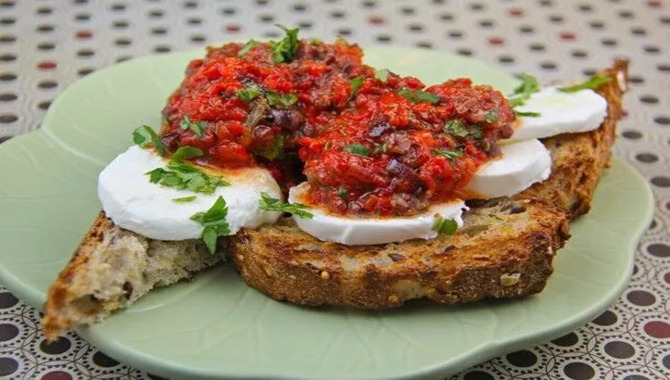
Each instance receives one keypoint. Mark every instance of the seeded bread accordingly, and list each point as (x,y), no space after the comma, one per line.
(505,249)
(111,269)
(578,159)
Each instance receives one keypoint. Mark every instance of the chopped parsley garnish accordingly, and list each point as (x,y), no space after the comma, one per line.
(449,154)
(592,83)
(418,96)
(529,85)
(358,149)
(182,175)
(445,226)
(214,221)
(267,203)
(186,152)
(197,127)
(491,117)
(456,128)
(356,83)
(342,192)
(249,92)
(281,100)
(527,113)
(427,96)
(184,199)
(144,135)
(245,49)
(382,74)
(285,49)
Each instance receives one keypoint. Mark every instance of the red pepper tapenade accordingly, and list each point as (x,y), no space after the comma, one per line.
(369,142)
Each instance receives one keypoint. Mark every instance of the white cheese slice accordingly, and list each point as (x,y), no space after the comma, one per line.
(133,203)
(560,112)
(521,164)
(365,231)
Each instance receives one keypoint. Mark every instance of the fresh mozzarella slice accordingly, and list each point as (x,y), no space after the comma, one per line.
(366,231)
(521,164)
(133,203)
(560,112)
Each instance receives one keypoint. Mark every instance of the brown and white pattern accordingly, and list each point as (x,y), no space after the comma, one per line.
(45,45)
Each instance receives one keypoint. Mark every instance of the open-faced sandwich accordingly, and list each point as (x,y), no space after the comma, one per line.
(328,182)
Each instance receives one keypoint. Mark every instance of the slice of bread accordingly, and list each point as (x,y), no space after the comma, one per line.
(511,258)
(578,159)
(504,249)
(112,268)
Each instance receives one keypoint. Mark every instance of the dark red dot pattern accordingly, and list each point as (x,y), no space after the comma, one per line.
(46,45)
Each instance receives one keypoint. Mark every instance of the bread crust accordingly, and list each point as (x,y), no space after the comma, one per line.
(112,268)
(579,159)
(505,249)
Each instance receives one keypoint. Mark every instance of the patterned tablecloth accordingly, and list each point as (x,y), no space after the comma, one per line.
(47,45)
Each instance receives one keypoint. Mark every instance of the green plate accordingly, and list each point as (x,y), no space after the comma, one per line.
(215,326)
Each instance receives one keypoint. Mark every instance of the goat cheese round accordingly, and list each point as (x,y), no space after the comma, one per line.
(149,209)
(366,231)
(520,165)
(560,112)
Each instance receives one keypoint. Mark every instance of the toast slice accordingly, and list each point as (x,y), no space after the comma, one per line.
(578,159)
(505,249)
(511,258)
(111,269)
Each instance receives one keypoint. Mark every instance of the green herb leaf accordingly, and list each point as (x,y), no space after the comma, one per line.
(382,74)
(592,83)
(285,49)
(491,117)
(358,149)
(245,49)
(445,226)
(186,152)
(342,192)
(455,128)
(250,92)
(527,114)
(184,199)
(182,175)
(515,102)
(197,127)
(356,83)
(529,85)
(281,100)
(214,221)
(418,96)
(427,96)
(267,203)
(407,94)
(315,41)
(144,135)
(449,154)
